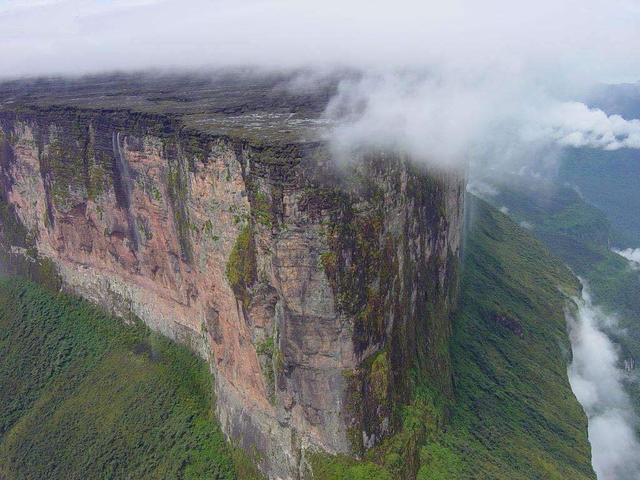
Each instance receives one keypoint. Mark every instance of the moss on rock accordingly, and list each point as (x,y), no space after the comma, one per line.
(241,269)
(178,190)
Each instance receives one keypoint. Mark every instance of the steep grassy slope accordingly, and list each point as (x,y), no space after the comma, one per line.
(581,234)
(84,396)
(515,416)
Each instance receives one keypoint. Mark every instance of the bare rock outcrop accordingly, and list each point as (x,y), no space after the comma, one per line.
(313,292)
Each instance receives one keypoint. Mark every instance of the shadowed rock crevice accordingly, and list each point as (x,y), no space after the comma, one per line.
(122,186)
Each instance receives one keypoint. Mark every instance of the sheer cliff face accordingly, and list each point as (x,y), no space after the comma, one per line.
(313,293)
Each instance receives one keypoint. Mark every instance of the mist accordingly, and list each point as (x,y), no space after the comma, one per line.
(448,82)
(581,41)
(632,255)
(598,381)
(450,119)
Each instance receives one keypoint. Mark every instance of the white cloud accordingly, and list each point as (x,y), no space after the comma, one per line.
(598,384)
(576,125)
(527,225)
(453,117)
(441,120)
(481,189)
(592,39)
(631,254)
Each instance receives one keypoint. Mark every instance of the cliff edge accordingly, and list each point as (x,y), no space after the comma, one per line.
(314,291)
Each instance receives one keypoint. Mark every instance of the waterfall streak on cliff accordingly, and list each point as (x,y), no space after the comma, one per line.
(598,382)
(122,169)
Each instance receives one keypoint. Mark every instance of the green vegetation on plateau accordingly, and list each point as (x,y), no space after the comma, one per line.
(514,414)
(84,396)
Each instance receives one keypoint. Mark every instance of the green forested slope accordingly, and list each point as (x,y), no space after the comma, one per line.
(581,235)
(515,416)
(83,396)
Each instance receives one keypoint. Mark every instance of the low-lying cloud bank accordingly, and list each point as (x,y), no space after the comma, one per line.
(631,254)
(450,119)
(449,82)
(576,125)
(598,383)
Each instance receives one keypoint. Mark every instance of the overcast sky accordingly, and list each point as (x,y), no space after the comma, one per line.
(590,40)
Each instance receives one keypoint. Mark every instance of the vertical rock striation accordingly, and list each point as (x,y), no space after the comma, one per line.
(314,293)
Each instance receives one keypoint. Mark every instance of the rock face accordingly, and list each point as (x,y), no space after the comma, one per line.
(313,291)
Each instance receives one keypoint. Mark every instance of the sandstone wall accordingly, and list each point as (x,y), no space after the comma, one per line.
(312,292)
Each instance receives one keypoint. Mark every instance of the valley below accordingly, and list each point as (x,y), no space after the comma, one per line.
(604,327)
